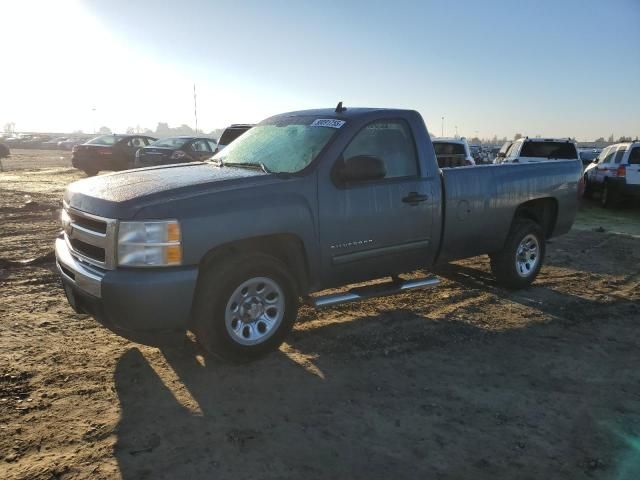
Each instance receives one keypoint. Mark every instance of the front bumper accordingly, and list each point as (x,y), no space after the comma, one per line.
(130,302)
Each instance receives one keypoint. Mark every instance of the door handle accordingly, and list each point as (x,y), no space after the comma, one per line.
(415,198)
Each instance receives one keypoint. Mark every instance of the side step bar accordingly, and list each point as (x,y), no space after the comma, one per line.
(380,290)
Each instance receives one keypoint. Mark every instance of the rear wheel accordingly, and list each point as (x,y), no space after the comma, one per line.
(518,263)
(609,198)
(245,306)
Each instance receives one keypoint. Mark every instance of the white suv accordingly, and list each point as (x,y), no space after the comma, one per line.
(452,152)
(615,173)
(531,150)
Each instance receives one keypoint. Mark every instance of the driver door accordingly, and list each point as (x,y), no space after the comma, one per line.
(380,227)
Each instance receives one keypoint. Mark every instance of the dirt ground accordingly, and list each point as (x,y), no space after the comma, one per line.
(463,381)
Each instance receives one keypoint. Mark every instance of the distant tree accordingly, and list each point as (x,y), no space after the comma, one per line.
(130,131)
(148,131)
(600,140)
(624,139)
(517,136)
(9,127)
(104,131)
(163,130)
(610,139)
(494,140)
(78,132)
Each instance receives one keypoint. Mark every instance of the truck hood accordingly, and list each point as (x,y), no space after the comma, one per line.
(120,195)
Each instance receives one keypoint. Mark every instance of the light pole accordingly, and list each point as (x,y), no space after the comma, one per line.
(442,128)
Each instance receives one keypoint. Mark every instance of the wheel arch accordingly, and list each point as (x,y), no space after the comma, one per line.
(286,247)
(543,211)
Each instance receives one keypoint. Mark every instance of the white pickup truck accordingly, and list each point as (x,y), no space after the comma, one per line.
(532,150)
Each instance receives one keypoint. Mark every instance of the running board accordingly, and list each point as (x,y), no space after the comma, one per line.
(379,290)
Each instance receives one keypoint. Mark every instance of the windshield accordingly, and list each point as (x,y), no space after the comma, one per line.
(443,148)
(557,150)
(104,140)
(173,142)
(283,146)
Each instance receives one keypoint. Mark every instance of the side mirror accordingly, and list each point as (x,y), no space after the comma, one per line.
(362,168)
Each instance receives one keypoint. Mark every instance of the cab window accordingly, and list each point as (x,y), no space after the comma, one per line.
(392,142)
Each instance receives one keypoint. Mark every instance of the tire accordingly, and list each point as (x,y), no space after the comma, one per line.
(505,266)
(588,189)
(259,321)
(90,172)
(609,198)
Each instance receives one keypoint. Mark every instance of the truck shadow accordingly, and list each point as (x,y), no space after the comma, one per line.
(392,395)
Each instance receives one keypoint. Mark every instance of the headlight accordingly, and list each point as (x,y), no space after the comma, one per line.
(149,244)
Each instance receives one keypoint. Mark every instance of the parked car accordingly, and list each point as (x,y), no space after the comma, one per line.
(69,143)
(4,151)
(305,201)
(452,152)
(108,152)
(53,143)
(615,173)
(588,155)
(502,152)
(533,150)
(230,134)
(175,150)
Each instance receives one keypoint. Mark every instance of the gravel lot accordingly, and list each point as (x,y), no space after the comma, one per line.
(463,381)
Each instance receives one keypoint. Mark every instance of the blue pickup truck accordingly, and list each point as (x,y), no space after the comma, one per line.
(303,202)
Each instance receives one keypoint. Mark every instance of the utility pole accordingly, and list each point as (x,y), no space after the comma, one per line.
(195,106)
(442,128)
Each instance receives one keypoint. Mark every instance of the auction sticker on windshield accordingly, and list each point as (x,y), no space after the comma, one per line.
(328,122)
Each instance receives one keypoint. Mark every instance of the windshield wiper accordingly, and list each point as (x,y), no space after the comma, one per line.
(216,162)
(259,165)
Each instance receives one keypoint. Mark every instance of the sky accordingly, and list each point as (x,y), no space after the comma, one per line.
(551,68)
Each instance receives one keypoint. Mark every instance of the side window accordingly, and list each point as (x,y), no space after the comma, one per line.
(200,146)
(634,156)
(146,140)
(619,154)
(212,145)
(392,142)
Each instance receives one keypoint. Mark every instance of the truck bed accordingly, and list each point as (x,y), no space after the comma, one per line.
(480,202)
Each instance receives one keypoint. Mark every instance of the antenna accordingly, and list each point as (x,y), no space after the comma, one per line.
(195,107)
(340,108)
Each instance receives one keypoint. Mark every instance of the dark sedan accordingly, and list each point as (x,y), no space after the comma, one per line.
(108,152)
(175,150)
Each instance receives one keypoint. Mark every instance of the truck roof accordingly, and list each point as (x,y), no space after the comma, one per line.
(349,113)
(461,140)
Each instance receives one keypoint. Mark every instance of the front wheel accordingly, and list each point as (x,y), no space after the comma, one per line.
(245,306)
(588,189)
(518,263)
(90,172)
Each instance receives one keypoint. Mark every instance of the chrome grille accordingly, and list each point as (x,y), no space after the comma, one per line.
(90,238)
